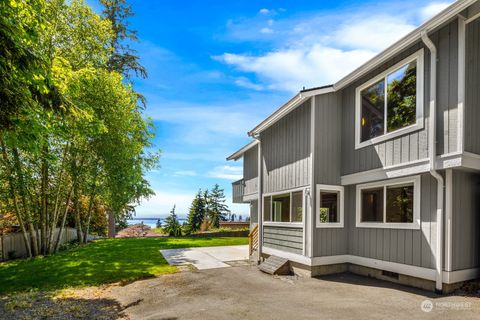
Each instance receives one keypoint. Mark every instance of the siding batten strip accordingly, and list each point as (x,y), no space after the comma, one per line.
(461,83)
(309,226)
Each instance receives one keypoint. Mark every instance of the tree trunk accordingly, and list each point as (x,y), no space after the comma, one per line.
(13,194)
(64,219)
(56,209)
(44,202)
(78,221)
(111,224)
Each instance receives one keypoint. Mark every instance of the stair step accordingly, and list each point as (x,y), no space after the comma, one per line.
(275,265)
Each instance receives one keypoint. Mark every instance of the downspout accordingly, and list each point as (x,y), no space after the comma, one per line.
(432,150)
(260,198)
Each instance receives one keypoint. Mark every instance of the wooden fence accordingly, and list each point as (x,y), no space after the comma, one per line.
(13,246)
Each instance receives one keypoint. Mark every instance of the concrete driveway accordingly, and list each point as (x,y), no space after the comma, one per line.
(247,293)
(207,257)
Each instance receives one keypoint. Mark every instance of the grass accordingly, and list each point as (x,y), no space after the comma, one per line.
(104,261)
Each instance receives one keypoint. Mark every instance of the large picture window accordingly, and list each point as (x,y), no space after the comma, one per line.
(391,103)
(284,207)
(389,204)
(329,209)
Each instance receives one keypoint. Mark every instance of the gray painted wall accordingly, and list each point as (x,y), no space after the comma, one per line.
(466,220)
(250,171)
(328,135)
(285,239)
(413,146)
(328,138)
(286,151)
(472,92)
(412,247)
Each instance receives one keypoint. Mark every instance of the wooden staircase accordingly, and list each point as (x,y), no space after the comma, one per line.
(275,265)
(253,240)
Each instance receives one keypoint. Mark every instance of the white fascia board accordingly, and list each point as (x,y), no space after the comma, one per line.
(238,154)
(297,100)
(414,36)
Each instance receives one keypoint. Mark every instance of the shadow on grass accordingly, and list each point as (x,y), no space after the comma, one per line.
(103,261)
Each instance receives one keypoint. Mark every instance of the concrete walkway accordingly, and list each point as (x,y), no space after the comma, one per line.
(206,257)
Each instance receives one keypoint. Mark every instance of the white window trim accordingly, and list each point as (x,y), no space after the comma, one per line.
(293,224)
(340,190)
(388,183)
(419,57)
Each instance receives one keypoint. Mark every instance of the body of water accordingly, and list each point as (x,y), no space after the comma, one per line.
(151,223)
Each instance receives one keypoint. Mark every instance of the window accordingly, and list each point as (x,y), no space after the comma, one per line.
(391,103)
(297,206)
(284,207)
(329,209)
(281,208)
(389,204)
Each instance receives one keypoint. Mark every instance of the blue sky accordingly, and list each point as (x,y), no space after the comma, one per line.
(217,68)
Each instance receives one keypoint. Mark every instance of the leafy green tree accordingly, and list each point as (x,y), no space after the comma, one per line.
(172,226)
(217,209)
(197,213)
(75,140)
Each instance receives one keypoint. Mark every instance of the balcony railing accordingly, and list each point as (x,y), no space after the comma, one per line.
(238,191)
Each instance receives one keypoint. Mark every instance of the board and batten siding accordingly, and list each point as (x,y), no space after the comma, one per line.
(472,85)
(465,220)
(412,247)
(412,146)
(328,133)
(287,239)
(250,171)
(286,151)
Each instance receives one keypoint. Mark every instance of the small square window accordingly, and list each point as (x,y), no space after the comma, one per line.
(329,208)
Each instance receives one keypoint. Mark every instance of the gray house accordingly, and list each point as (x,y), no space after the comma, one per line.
(379,173)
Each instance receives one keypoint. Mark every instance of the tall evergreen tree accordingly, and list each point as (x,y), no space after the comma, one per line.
(197,213)
(172,225)
(124,59)
(217,209)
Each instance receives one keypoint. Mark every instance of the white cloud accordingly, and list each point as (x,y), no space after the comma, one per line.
(371,34)
(227,172)
(432,9)
(246,83)
(266,30)
(322,48)
(187,173)
(291,69)
(264,11)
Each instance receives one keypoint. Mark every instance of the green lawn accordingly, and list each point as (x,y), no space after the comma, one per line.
(103,261)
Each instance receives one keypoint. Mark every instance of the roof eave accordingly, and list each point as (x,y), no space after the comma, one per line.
(298,99)
(239,153)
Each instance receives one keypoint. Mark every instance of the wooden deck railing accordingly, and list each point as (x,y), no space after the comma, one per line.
(253,240)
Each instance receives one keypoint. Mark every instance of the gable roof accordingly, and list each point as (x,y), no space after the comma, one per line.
(238,154)
(438,20)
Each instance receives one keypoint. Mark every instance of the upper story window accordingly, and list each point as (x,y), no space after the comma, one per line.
(283,207)
(390,104)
